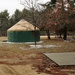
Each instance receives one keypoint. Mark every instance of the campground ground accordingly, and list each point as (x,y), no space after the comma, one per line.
(22,59)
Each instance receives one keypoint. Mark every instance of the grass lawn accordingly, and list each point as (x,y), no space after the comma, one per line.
(21,59)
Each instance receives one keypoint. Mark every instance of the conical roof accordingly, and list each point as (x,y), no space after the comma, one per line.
(22,25)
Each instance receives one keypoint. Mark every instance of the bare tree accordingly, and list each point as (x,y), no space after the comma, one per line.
(33,6)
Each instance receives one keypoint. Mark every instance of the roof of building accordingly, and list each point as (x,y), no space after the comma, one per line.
(22,25)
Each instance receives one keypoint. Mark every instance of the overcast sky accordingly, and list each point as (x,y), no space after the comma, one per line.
(12,5)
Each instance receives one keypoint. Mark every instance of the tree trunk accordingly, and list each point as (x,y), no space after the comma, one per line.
(65,33)
(35,34)
(60,35)
(48,34)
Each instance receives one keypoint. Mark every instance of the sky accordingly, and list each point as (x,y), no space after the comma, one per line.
(12,5)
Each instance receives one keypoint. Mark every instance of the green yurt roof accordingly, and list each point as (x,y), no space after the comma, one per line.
(22,25)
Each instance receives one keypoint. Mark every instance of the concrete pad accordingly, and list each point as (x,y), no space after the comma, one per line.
(67,58)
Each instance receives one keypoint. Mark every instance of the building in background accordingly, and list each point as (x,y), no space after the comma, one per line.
(23,31)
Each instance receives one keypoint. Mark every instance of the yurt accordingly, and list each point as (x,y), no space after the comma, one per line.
(23,31)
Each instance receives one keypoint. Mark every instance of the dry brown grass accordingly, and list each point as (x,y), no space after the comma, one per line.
(13,49)
(19,55)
